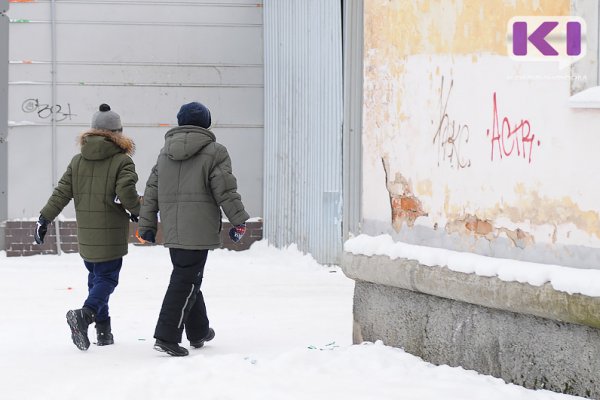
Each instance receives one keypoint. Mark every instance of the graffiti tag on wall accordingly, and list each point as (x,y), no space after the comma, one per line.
(45,111)
(511,139)
(450,134)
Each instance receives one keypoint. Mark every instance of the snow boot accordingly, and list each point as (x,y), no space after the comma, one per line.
(104,334)
(172,349)
(199,343)
(78,321)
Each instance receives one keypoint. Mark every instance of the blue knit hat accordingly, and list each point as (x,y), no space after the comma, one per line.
(194,113)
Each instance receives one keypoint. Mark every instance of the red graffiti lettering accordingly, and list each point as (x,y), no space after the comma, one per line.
(511,140)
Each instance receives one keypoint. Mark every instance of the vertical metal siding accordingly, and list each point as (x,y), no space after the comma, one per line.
(303,126)
(353,105)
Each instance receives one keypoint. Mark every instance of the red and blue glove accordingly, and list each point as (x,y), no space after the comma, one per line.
(237,232)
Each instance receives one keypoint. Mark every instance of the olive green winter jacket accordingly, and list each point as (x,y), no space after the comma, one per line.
(101,173)
(191,181)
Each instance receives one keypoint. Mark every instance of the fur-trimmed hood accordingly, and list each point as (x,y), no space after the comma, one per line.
(98,144)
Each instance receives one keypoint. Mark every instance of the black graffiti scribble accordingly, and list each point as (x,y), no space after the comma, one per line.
(450,135)
(45,111)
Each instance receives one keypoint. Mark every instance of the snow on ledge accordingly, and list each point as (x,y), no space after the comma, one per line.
(589,98)
(564,279)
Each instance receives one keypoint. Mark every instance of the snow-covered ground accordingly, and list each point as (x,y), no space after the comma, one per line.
(283,331)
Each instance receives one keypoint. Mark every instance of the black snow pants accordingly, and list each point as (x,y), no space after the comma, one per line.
(183,305)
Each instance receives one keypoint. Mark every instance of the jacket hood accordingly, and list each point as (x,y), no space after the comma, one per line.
(185,141)
(98,144)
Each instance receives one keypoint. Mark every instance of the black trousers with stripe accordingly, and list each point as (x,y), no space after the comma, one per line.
(183,306)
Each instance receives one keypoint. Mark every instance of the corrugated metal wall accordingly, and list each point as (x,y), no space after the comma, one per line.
(303,126)
(144,58)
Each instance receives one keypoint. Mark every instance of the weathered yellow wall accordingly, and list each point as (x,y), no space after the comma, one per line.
(415,51)
(404,28)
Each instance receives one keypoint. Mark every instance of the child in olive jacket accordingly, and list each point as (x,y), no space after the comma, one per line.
(101,180)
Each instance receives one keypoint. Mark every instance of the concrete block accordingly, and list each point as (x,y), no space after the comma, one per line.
(533,336)
(526,350)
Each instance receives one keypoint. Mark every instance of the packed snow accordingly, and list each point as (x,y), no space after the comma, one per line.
(564,279)
(283,331)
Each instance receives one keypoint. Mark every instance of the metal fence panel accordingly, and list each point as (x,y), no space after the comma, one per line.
(145,59)
(303,126)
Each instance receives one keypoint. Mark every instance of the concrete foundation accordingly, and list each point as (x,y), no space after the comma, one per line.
(521,348)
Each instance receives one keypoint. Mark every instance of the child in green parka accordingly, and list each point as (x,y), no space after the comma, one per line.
(102,182)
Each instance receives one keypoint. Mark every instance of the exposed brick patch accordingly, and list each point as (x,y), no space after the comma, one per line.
(19,237)
(478,226)
(473,225)
(406,207)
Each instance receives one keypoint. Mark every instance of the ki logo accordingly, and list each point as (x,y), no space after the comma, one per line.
(545,38)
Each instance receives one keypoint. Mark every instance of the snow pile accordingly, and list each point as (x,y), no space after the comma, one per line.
(565,279)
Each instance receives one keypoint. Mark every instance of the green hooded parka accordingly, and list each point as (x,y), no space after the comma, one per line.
(101,180)
(191,181)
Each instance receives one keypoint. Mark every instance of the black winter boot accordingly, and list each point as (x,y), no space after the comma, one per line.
(104,334)
(172,349)
(199,343)
(78,321)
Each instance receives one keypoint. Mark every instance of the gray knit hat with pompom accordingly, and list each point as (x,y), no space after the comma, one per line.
(107,120)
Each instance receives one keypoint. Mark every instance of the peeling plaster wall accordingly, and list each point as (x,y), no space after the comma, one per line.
(468,149)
